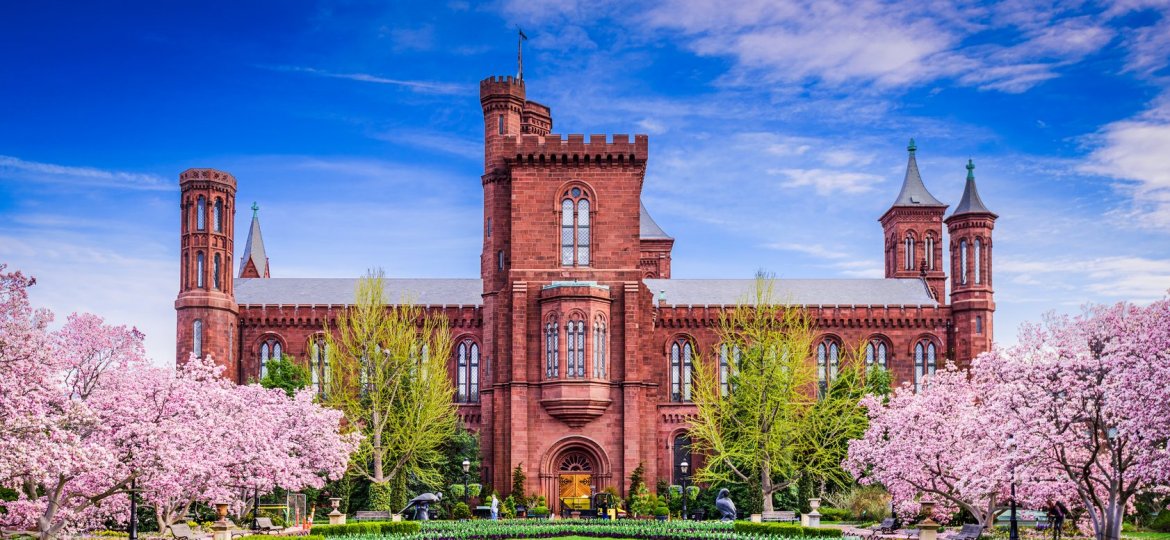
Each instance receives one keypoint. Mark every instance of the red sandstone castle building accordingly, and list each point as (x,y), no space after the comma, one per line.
(574,346)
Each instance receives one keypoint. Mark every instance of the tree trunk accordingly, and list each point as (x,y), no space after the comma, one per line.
(766,484)
(378,475)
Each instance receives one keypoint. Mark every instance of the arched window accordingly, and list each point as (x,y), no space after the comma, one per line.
(201,213)
(963,261)
(575,237)
(682,452)
(978,259)
(218,215)
(269,350)
(599,349)
(552,361)
(680,370)
(875,353)
(919,353)
(930,252)
(909,252)
(828,364)
(468,371)
(575,348)
(925,362)
(199,270)
(319,368)
(728,366)
(215,272)
(197,337)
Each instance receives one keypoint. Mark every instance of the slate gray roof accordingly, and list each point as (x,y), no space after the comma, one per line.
(807,292)
(647,228)
(970,203)
(254,249)
(914,192)
(340,291)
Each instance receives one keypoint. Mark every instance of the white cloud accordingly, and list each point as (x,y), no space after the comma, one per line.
(816,250)
(16,169)
(1116,277)
(422,87)
(1136,151)
(828,182)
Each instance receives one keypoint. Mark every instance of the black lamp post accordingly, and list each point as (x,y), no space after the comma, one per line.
(1014,533)
(466,469)
(133,508)
(683,467)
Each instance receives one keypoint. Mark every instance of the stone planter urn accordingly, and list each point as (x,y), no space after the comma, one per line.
(336,517)
(927,528)
(813,518)
(221,529)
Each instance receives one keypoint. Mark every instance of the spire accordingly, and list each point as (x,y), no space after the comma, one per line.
(914,192)
(970,203)
(254,263)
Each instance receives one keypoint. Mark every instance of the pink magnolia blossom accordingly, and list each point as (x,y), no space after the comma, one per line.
(82,413)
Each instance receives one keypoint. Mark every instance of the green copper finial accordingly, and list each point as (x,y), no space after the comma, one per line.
(970,169)
(255,208)
(912,147)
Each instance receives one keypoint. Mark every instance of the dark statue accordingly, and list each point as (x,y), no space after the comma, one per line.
(422,505)
(725,505)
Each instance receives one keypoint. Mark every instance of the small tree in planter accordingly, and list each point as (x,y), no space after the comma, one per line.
(461,511)
(661,511)
(540,511)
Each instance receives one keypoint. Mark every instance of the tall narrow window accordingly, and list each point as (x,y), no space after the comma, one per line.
(201,213)
(599,349)
(575,228)
(319,363)
(680,370)
(822,370)
(909,252)
(468,371)
(834,360)
(930,359)
(930,252)
(552,361)
(197,337)
(978,324)
(729,357)
(215,272)
(488,229)
(218,215)
(575,348)
(869,354)
(269,350)
(882,355)
(978,260)
(963,261)
(500,259)
(501,122)
(919,352)
(199,270)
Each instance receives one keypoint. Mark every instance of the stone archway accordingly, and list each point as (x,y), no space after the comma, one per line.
(572,471)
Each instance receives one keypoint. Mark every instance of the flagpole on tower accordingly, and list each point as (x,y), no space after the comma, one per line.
(520,39)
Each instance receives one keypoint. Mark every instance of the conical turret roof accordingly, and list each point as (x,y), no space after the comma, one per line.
(648,228)
(970,203)
(254,249)
(914,192)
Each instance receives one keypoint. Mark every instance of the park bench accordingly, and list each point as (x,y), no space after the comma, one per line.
(362,515)
(887,526)
(970,531)
(265,525)
(781,515)
(182,531)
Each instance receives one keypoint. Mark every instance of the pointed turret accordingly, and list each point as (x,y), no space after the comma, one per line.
(913,232)
(254,263)
(655,245)
(970,203)
(914,192)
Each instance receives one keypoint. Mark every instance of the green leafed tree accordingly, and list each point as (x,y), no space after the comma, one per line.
(388,375)
(767,427)
(285,373)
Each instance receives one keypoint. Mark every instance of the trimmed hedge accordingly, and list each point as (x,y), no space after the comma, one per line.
(834,514)
(270,537)
(367,527)
(786,529)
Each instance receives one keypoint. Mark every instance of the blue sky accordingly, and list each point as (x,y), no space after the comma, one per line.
(777,133)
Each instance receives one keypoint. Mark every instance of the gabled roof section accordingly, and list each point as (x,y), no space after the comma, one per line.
(914,192)
(254,250)
(342,291)
(648,229)
(798,292)
(970,203)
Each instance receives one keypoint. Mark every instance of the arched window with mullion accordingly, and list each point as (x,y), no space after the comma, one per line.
(875,353)
(729,357)
(576,235)
(551,350)
(319,367)
(270,349)
(467,367)
(681,353)
(822,370)
(575,348)
(919,358)
(909,262)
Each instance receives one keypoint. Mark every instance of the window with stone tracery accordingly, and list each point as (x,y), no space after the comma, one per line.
(681,365)
(876,352)
(909,262)
(552,360)
(575,235)
(269,350)
(467,365)
(828,363)
(575,348)
(925,362)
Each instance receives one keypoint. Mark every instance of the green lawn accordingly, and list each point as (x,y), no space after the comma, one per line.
(1146,535)
(580,538)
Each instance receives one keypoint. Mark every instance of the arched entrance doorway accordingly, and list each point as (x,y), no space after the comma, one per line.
(571,471)
(575,481)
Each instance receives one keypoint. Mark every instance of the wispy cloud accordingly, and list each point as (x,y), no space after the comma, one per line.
(828,182)
(1118,277)
(816,250)
(18,170)
(422,87)
(1135,151)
